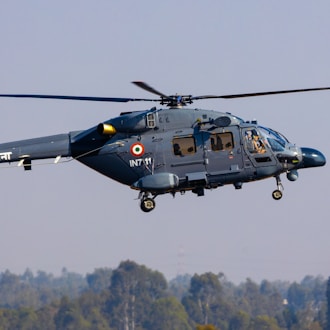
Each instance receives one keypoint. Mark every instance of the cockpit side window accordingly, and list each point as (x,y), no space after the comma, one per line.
(183,146)
(275,140)
(255,142)
(222,141)
(275,145)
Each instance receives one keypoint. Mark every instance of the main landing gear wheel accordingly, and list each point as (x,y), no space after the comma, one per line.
(147,204)
(278,194)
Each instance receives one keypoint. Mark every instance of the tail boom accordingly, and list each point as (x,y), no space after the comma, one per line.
(25,151)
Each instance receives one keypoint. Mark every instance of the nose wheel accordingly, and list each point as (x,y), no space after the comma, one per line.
(278,193)
(147,203)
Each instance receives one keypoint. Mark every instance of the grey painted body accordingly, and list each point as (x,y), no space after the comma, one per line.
(144,154)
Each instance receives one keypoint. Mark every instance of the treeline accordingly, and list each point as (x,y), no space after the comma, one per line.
(133,296)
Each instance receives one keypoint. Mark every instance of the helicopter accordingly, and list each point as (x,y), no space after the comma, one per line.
(173,149)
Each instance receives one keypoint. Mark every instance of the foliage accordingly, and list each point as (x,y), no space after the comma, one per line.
(205,302)
(133,290)
(99,280)
(133,296)
(179,286)
(328,305)
(167,313)
(32,291)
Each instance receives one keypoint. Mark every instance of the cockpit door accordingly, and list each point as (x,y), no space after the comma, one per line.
(257,147)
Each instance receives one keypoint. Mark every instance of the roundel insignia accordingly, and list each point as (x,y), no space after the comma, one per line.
(137,149)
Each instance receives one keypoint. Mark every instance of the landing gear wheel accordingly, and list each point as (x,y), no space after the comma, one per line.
(147,204)
(277,194)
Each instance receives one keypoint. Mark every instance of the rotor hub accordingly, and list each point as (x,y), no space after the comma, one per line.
(176,101)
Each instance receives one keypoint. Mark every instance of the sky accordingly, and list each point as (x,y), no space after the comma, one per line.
(67,215)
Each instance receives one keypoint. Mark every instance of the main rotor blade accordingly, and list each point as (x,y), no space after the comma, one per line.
(76,98)
(233,96)
(148,88)
(154,91)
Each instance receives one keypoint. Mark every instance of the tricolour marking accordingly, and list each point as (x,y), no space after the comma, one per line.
(137,149)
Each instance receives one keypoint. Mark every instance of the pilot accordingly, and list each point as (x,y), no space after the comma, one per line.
(258,145)
(249,141)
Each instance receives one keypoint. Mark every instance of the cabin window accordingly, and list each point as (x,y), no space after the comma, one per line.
(151,120)
(184,146)
(222,141)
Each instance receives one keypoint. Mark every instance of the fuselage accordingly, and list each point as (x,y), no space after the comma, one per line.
(200,147)
(169,150)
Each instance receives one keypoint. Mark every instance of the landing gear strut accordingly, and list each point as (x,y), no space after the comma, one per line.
(278,193)
(147,203)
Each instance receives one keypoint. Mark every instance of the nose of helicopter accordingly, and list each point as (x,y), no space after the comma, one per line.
(312,158)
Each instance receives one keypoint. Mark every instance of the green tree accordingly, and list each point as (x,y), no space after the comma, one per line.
(264,322)
(205,290)
(259,300)
(15,293)
(251,298)
(8,319)
(205,303)
(290,317)
(167,313)
(99,280)
(91,307)
(328,304)
(45,317)
(297,295)
(27,319)
(240,321)
(133,290)
(179,286)
(69,317)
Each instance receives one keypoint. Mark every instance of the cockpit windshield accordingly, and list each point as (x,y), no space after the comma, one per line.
(276,140)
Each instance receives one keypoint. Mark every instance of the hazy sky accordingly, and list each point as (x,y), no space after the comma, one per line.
(67,215)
